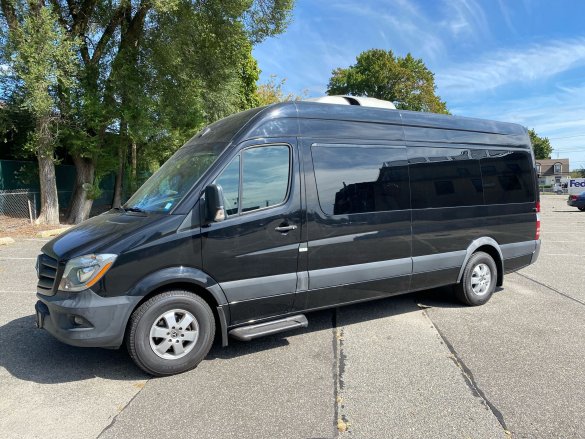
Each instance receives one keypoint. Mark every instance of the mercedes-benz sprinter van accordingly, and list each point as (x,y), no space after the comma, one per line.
(274,212)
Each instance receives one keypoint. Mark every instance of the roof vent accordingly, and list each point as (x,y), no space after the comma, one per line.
(354,100)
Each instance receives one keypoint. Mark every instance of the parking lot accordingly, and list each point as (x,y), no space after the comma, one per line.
(412,366)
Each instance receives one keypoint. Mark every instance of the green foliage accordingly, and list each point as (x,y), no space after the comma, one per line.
(16,126)
(578,173)
(379,74)
(265,18)
(249,75)
(195,67)
(134,74)
(27,175)
(43,57)
(541,145)
(272,92)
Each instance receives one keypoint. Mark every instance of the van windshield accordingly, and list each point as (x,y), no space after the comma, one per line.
(167,186)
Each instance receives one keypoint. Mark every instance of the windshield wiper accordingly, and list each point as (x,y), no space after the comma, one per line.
(120,208)
(134,209)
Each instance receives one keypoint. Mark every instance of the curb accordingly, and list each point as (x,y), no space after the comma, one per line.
(6,241)
(54,232)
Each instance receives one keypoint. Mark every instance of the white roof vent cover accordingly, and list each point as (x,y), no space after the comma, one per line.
(354,100)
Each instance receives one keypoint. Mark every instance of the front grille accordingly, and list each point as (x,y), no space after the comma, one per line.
(47,272)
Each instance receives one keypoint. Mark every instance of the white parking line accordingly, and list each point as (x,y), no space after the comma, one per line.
(562,254)
(18,292)
(18,259)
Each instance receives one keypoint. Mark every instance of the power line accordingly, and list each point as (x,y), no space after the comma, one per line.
(567,137)
(568,150)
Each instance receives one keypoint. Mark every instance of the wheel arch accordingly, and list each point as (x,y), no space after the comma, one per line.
(187,279)
(492,248)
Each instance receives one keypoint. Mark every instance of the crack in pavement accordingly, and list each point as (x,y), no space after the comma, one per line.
(566,296)
(340,420)
(113,421)
(469,378)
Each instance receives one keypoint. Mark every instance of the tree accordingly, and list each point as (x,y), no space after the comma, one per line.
(42,56)
(541,145)
(379,74)
(151,72)
(271,92)
(167,68)
(578,173)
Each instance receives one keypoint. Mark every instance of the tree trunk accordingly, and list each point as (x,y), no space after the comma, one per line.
(117,199)
(49,200)
(122,148)
(80,204)
(134,177)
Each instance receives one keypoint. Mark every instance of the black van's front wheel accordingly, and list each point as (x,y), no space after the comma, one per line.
(170,333)
(479,280)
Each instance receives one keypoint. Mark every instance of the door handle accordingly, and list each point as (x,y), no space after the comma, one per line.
(284,229)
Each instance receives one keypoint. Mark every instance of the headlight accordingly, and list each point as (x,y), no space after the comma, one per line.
(83,272)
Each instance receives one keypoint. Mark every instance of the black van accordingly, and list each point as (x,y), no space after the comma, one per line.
(298,206)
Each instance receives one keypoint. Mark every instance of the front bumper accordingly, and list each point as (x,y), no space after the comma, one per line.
(84,318)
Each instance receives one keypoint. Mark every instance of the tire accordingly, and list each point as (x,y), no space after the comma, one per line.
(166,315)
(479,280)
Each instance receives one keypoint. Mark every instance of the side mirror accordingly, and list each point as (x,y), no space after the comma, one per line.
(214,211)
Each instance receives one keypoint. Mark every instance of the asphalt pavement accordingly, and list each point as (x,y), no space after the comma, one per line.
(413,366)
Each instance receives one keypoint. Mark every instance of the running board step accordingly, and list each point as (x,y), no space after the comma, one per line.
(246,333)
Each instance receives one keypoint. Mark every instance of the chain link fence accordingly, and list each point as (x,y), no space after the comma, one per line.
(18,203)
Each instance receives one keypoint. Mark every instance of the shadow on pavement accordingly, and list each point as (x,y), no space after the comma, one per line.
(343,316)
(442,297)
(318,321)
(32,354)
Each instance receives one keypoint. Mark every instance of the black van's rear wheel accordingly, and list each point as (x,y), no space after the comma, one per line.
(170,333)
(479,280)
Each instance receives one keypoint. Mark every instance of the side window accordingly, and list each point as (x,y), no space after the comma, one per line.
(445,177)
(358,179)
(507,177)
(229,180)
(266,176)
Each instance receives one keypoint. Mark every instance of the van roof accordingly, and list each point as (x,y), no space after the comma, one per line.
(271,121)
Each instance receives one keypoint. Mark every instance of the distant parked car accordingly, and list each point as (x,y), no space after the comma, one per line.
(577,201)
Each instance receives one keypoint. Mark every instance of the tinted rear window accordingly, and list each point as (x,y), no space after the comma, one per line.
(445,177)
(507,177)
(359,179)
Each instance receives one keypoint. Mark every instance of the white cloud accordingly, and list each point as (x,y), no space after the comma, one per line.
(410,29)
(306,65)
(506,66)
(507,14)
(465,18)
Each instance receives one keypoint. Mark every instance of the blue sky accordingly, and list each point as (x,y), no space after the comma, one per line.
(518,61)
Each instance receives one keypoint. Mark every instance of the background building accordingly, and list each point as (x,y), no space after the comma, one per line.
(551,171)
